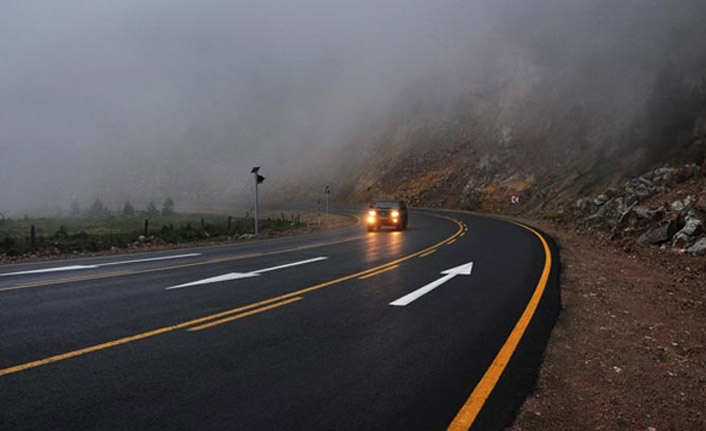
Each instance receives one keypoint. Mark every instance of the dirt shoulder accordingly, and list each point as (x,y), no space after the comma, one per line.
(629,349)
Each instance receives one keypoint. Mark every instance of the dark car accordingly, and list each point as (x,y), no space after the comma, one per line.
(387,213)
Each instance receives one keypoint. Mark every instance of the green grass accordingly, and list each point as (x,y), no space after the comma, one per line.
(69,234)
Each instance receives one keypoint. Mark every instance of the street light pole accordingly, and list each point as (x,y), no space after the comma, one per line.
(257,209)
(328,192)
(258,179)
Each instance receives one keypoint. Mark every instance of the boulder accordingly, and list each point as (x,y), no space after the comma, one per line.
(699,248)
(655,236)
(677,206)
(692,226)
(644,213)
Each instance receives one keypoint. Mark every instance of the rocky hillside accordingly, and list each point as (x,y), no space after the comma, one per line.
(665,207)
(477,161)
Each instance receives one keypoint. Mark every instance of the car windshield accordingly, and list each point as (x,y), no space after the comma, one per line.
(387,204)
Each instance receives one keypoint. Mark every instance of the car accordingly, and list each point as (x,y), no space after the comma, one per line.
(387,213)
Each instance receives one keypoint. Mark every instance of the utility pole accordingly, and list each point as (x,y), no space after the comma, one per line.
(328,192)
(258,179)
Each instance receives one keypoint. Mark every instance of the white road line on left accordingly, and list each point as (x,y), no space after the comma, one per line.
(81,267)
(152,259)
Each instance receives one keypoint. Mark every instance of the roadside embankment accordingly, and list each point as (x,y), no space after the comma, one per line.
(629,349)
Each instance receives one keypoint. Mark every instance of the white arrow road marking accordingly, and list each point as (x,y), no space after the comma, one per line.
(464,269)
(239,275)
(99,265)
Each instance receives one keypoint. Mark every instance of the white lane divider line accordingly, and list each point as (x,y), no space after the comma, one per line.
(464,269)
(99,265)
(241,275)
(152,259)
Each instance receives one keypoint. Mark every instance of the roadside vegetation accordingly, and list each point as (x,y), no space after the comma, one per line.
(96,229)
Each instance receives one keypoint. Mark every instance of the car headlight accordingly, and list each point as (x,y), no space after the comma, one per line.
(372,213)
(395,214)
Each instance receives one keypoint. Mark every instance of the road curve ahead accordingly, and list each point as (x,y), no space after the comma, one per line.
(439,327)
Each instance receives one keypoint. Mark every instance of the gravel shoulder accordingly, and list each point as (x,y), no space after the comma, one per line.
(628,351)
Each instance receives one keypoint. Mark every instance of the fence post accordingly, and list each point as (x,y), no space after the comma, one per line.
(147,227)
(32,235)
(230,222)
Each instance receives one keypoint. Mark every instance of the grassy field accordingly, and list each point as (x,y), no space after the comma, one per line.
(89,234)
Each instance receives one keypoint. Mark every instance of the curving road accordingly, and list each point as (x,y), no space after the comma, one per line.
(320,332)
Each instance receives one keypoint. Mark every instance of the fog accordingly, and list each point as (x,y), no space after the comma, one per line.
(140,100)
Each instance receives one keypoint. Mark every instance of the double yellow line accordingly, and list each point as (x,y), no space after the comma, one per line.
(229,315)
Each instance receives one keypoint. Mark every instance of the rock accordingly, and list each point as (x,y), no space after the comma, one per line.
(677,206)
(601,200)
(693,226)
(616,211)
(141,238)
(598,214)
(643,212)
(688,201)
(663,172)
(680,240)
(586,206)
(611,192)
(699,248)
(655,236)
(645,181)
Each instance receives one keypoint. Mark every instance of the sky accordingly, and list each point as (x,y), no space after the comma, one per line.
(140,100)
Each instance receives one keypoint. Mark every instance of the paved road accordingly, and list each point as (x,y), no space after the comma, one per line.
(288,334)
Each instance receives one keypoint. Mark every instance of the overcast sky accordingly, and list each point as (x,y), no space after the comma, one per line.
(140,99)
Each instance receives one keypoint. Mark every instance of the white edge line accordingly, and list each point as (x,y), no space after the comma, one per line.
(45,270)
(94,266)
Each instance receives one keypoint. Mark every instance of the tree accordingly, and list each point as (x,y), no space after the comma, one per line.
(151,209)
(75,209)
(128,209)
(97,209)
(168,207)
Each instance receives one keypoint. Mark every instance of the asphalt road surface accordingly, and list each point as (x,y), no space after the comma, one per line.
(319,332)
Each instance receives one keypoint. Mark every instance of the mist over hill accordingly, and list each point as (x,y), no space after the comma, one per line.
(131,100)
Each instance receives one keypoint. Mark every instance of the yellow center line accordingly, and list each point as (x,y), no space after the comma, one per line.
(428,253)
(451,242)
(182,325)
(167,268)
(242,315)
(472,407)
(378,272)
